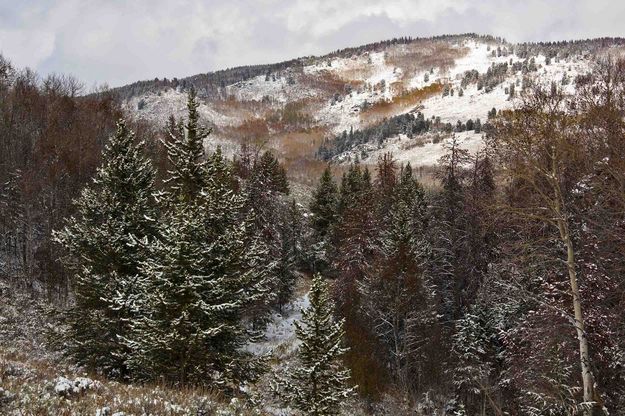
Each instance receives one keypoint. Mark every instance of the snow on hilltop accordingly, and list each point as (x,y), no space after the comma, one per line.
(450,79)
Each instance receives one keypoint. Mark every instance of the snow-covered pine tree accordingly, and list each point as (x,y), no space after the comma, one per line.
(185,152)
(318,384)
(264,190)
(113,213)
(266,208)
(201,276)
(273,173)
(485,338)
(474,345)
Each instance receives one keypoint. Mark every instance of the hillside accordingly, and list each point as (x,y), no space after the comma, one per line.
(297,106)
(308,268)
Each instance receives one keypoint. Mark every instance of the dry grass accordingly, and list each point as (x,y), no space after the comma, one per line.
(293,116)
(30,386)
(328,83)
(28,370)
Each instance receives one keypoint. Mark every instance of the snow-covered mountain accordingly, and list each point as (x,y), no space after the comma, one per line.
(297,106)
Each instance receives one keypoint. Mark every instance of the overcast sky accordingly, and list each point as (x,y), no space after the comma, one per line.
(121,41)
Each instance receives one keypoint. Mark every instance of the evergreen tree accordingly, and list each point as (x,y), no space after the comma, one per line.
(114,213)
(354,236)
(291,229)
(324,216)
(264,196)
(479,345)
(450,264)
(470,125)
(318,384)
(354,186)
(272,173)
(205,276)
(185,152)
(324,205)
(385,184)
(199,279)
(396,293)
(267,207)
(355,245)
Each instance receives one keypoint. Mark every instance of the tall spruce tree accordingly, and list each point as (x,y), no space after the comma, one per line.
(324,205)
(318,384)
(185,152)
(204,274)
(385,184)
(272,173)
(113,213)
(291,230)
(267,207)
(450,233)
(200,277)
(354,247)
(396,293)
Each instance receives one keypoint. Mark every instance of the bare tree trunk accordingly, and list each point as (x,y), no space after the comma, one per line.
(565,235)
(584,353)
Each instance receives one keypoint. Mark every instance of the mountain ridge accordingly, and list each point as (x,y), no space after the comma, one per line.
(301,107)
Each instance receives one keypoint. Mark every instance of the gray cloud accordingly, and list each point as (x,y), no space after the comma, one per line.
(117,41)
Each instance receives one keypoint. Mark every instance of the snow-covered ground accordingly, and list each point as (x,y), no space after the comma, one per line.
(279,335)
(157,107)
(376,78)
(373,79)
(282,88)
(473,104)
(429,153)
(424,150)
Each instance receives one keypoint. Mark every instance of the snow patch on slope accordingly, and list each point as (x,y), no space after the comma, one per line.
(429,153)
(345,113)
(157,107)
(473,104)
(282,88)
(280,332)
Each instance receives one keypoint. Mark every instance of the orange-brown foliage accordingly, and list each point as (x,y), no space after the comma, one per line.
(242,109)
(409,98)
(297,152)
(329,83)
